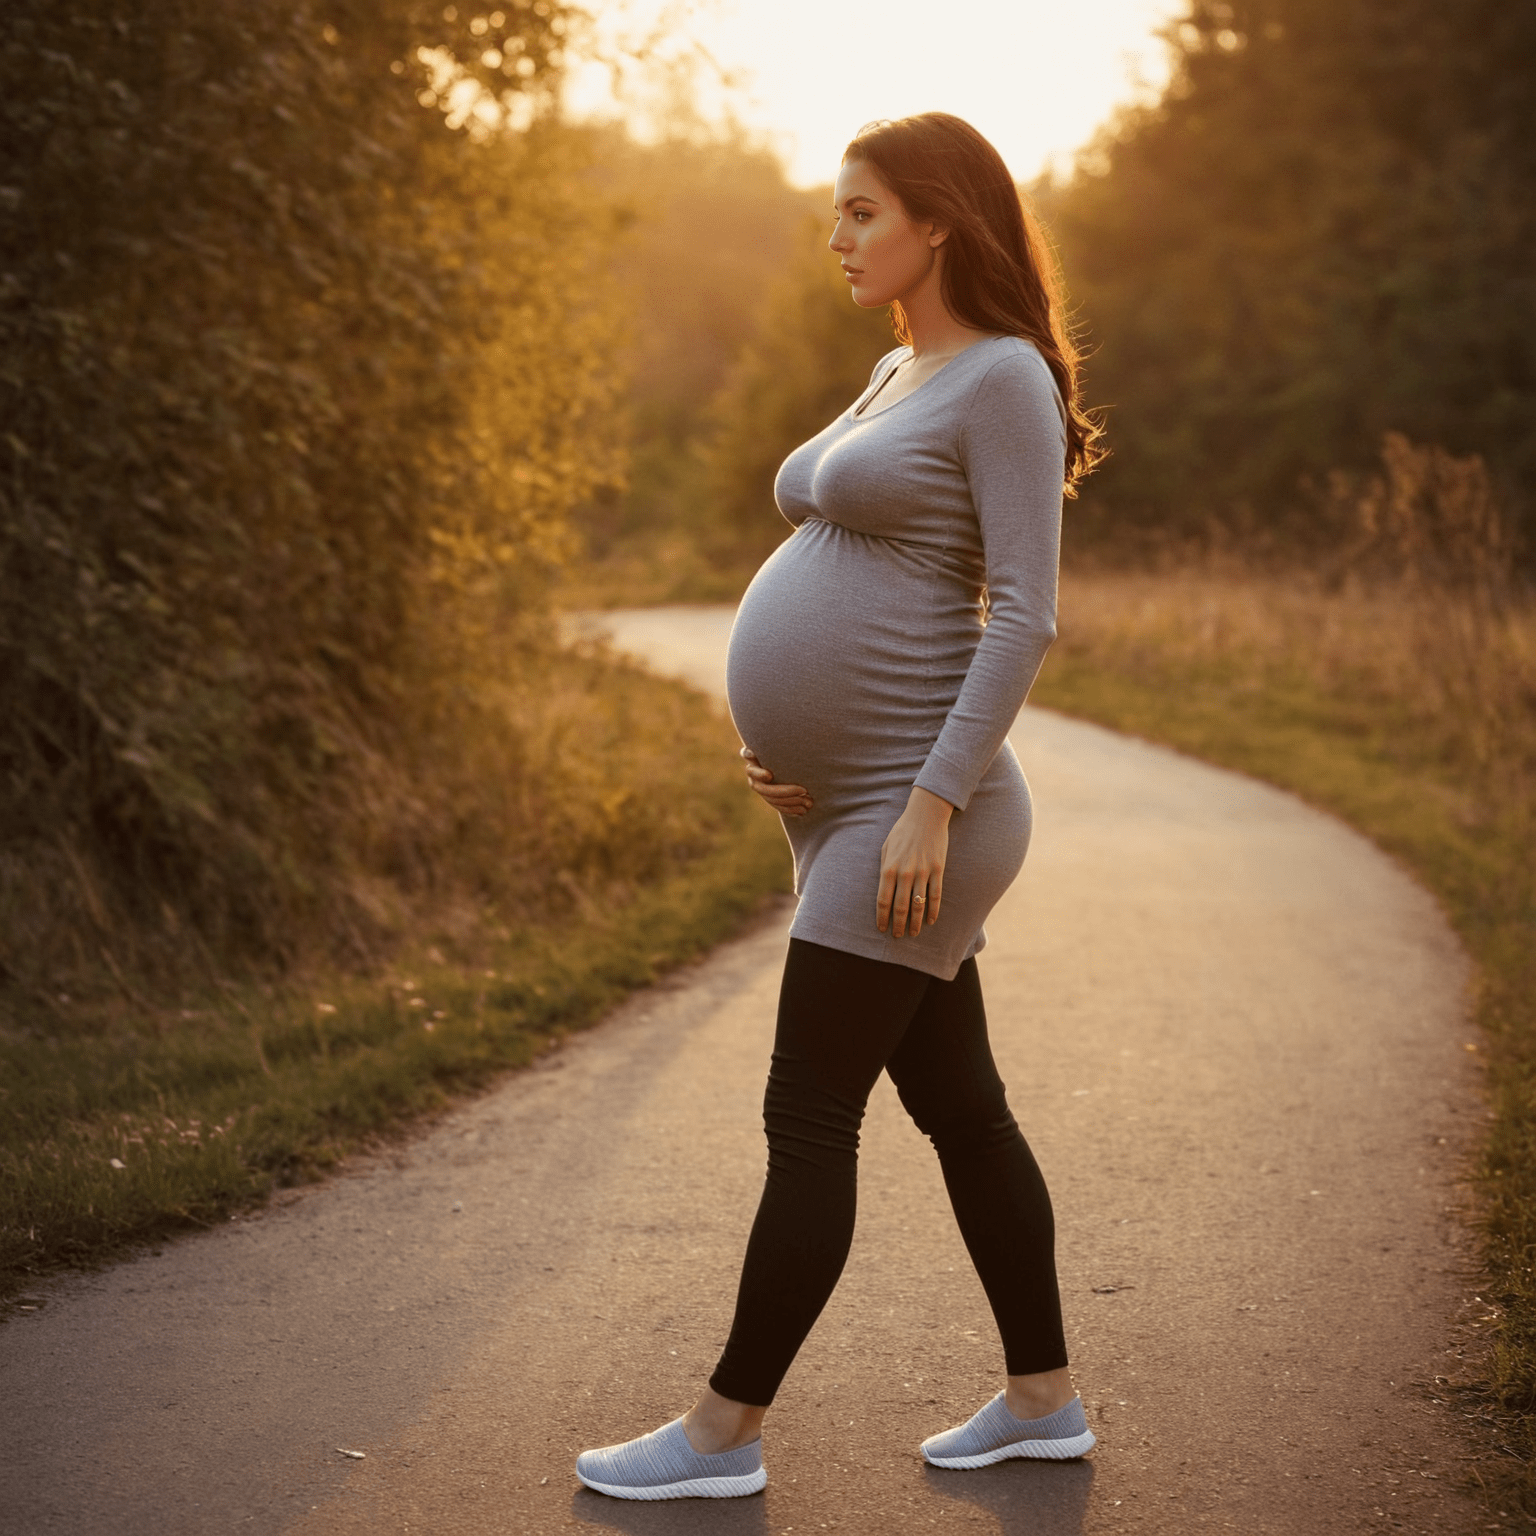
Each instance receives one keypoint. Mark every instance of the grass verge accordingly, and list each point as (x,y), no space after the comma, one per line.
(1412,715)
(135,1122)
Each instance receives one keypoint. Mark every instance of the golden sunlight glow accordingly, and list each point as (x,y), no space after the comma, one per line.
(1037,78)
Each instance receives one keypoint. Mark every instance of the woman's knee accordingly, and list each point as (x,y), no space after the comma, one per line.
(811,1123)
(966,1115)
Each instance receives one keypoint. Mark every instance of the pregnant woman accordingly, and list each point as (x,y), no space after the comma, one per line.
(876,664)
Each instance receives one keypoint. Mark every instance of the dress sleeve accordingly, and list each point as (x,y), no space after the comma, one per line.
(1013,451)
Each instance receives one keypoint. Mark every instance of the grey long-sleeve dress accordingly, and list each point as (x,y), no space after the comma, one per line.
(859,664)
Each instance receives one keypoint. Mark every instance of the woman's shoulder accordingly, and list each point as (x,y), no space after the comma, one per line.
(1010,368)
(1011,357)
(1011,386)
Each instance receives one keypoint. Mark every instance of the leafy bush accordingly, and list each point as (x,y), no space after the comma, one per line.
(298,382)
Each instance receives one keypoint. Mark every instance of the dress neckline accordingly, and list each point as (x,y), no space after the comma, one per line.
(856,411)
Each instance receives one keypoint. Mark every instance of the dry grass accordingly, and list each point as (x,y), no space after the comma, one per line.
(1456,672)
(1408,708)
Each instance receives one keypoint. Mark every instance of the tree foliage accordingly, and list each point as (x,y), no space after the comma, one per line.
(713,227)
(298,382)
(810,359)
(1321,233)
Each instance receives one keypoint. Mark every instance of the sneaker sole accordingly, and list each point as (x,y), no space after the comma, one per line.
(691,1488)
(1067,1449)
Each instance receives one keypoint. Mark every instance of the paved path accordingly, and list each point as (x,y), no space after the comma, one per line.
(1233,1032)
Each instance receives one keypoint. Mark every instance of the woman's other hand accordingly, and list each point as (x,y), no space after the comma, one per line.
(912,866)
(786,799)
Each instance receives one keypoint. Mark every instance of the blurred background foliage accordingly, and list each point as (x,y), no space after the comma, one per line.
(304,358)
(741,342)
(1319,234)
(1315,243)
(331,356)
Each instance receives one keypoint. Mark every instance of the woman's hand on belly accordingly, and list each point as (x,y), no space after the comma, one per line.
(912,865)
(786,799)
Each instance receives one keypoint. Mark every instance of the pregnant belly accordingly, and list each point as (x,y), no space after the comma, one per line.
(845,658)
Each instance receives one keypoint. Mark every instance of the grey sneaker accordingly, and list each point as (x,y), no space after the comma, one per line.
(662,1465)
(995,1435)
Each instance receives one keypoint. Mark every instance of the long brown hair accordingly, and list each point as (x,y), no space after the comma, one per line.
(999,274)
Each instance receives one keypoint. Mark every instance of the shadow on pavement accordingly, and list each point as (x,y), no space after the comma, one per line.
(673,1517)
(1028,1498)
(1042,1498)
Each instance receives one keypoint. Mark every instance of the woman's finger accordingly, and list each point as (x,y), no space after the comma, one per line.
(760,778)
(918,904)
(884,895)
(786,799)
(774,796)
(769,790)
(935,894)
(783,791)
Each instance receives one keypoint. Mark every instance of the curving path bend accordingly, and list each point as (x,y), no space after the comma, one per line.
(1234,1033)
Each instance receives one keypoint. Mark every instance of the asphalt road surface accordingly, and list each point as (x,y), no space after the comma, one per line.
(1233,1031)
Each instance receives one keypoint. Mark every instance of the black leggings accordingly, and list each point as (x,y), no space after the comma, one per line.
(841,1019)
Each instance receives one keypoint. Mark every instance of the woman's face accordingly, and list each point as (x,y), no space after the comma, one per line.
(885,255)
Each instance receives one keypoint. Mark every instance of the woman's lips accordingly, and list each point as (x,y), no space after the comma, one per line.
(852,272)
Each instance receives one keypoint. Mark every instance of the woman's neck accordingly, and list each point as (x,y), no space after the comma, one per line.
(936,333)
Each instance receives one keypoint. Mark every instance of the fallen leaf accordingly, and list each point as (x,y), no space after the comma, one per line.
(355,1455)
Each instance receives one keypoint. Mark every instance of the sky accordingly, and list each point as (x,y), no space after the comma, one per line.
(1037,78)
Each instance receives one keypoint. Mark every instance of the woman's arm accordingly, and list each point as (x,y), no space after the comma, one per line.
(1013,450)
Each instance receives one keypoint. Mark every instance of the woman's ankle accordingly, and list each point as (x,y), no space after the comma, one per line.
(1040,1395)
(716,1424)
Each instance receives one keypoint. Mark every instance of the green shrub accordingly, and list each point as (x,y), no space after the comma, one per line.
(298,383)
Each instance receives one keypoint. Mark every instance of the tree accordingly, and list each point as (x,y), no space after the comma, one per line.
(1319,234)
(303,358)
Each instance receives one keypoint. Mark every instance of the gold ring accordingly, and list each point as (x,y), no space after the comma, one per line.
(919,900)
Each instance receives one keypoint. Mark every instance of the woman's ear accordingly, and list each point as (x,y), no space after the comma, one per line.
(937,235)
